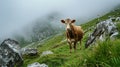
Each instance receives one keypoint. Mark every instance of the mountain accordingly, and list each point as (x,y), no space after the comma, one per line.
(38,30)
(101,54)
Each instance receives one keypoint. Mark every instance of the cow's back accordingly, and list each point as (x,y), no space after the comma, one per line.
(80,32)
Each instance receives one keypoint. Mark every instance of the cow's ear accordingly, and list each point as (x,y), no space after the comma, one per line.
(62,21)
(73,21)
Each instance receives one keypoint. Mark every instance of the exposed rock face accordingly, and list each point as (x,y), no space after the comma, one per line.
(30,51)
(46,53)
(36,64)
(103,30)
(10,55)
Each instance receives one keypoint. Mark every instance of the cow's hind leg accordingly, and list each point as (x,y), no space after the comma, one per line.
(75,46)
(80,44)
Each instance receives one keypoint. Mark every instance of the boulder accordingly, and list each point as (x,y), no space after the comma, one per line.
(30,51)
(102,31)
(10,54)
(36,64)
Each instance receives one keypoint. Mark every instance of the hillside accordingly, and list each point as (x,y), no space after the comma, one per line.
(106,54)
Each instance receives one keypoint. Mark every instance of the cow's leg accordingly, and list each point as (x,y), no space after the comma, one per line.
(75,46)
(70,45)
(80,44)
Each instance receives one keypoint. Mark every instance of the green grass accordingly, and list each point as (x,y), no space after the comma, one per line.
(106,54)
(102,54)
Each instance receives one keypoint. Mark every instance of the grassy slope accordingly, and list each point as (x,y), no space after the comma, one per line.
(104,55)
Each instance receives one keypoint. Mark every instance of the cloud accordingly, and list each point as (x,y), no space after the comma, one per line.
(15,14)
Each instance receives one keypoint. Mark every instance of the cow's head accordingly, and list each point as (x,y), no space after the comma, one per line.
(68,23)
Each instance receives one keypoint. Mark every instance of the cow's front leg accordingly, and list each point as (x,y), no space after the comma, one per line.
(70,45)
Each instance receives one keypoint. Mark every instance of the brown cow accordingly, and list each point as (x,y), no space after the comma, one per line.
(73,33)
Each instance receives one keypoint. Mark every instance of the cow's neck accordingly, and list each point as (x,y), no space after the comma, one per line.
(71,32)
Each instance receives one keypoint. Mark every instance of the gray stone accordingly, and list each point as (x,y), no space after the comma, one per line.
(118,19)
(102,31)
(46,53)
(30,51)
(10,54)
(36,64)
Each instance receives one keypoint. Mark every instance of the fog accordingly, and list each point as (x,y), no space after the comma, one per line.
(16,14)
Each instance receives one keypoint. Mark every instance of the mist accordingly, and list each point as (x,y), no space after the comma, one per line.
(15,15)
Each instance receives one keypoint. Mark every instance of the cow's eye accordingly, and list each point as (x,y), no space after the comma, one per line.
(66,23)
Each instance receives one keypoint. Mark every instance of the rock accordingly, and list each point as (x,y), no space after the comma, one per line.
(30,51)
(46,53)
(10,54)
(103,30)
(118,19)
(36,64)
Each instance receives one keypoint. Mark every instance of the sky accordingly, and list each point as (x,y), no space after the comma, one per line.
(15,14)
